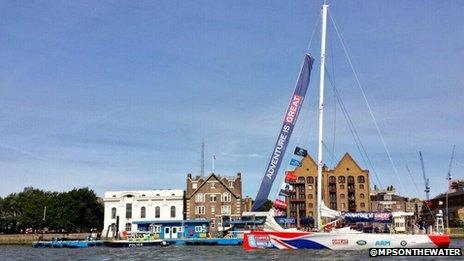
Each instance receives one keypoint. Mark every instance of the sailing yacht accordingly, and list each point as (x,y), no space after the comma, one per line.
(273,235)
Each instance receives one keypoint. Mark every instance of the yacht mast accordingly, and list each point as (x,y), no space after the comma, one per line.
(321,115)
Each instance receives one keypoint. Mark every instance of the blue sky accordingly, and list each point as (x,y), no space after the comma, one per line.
(118,94)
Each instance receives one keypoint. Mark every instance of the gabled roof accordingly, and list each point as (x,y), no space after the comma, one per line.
(347,157)
(219,180)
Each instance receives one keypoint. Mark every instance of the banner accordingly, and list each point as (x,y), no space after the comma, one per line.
(285,133)
(378,217)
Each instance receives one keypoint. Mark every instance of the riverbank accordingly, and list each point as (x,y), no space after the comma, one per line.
(27,239)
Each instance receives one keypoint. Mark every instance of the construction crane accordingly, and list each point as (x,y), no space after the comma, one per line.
(451,164)
(426,180)
(449,185)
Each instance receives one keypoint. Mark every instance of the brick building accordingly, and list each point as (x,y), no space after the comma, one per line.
(344,188)
(215,198)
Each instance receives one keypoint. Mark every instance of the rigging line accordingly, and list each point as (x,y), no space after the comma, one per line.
(417,190)
(354,132)
(332,54)
(366,101)
(314,31)
(332,156)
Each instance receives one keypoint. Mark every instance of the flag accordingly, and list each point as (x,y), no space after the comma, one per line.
(290,177)
(283,193)
(300,152)
(295,162)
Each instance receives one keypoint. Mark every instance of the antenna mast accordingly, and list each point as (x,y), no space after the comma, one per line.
(202,168)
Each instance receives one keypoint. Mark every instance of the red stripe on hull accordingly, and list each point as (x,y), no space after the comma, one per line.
(442,241)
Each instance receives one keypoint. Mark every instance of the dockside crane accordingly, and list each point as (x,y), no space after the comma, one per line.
(426,180)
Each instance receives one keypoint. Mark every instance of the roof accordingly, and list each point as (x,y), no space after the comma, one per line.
(452,194)
(347,157)
(219,180)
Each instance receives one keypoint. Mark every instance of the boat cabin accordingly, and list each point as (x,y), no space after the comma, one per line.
(173,229)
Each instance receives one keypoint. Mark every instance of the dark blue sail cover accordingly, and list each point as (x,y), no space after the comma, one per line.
(291,116)
(377,217)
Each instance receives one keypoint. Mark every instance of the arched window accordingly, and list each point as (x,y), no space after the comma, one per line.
(341,179)
(128,226)
(143,212)
(361,195)
(157,212)
(310,180)
(173,211)
(360,179)
(342,195)
(350,179)
(113,213)
(361,186)
(301,179)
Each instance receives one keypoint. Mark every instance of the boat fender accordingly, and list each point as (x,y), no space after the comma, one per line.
(164,243)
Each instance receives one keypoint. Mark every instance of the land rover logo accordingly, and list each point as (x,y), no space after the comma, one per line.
(361,242)
(403,243)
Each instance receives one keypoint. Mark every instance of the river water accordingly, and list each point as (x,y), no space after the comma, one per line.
(191,253)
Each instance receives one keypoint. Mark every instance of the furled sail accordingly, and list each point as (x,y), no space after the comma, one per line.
(291,116)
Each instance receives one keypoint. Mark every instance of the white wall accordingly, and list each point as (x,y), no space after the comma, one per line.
(149,199)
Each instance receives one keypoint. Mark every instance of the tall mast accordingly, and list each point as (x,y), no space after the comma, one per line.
(321,115)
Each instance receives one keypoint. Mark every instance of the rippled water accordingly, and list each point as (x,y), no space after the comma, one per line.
(187,253)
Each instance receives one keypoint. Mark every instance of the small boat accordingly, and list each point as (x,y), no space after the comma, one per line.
(66,243)
(135,243)
(137,239)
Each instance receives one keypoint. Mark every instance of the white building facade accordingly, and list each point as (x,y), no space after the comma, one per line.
(130,206)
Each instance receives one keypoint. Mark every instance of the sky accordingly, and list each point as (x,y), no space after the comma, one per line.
(118,95)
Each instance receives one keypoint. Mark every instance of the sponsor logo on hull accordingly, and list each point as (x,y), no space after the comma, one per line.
(339,241)
(361,242)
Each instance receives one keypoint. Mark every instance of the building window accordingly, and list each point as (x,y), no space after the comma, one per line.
(310,213)
(194,185)
(173,211)
(143,212)
(310,180)
(113,213)
(310,205)
(213,209)
(361,196)
(231,184)
(310,196)
(128,226)
(341,179)
(350,179)
(301,179)
(361,179)
(310,187)
(342,186)
(212,198)
(128,210)
(342,195)
(225,197)
(225,209)
(200,197)
(200,210)
(361,186)
(157,212)
(363,205)
(343,206)
(331,179)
